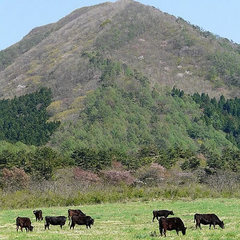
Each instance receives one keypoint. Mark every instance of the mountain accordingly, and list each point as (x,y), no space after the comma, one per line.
(102,61)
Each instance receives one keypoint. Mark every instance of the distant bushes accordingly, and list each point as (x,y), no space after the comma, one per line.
(85,177)
(14,179)
(34,199)
(39,163)
(116,177)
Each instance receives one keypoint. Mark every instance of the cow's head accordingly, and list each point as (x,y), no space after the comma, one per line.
(31,228)
(184,230)
(221,224)
(90,221)
(171,213)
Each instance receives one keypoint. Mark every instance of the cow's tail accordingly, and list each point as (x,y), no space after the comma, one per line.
(194,218)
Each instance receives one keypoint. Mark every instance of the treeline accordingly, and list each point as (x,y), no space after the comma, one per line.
(25,118)
(39,163)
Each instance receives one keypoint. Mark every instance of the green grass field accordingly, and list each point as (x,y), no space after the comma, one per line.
(130,220)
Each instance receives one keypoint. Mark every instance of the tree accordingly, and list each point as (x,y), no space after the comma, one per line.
(45,161)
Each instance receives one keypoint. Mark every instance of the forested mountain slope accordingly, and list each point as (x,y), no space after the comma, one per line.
(111,69)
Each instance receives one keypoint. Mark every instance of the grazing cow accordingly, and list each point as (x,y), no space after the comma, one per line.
(82,220)
(38,215)
(174,223)
(205,219)
(74,212)
(24,222)
(59,220)
(161,213)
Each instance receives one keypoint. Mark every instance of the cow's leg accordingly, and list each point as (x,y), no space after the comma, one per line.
(17,228)
(177,232)
(210,226)
(72,225)
(214,225)
(161,231)
(153,218)
(164,231)
(21,228)
(61,226)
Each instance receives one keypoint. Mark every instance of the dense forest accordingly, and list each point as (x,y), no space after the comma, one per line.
(25,118)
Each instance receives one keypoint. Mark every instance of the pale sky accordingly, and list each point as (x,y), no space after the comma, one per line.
(19,17)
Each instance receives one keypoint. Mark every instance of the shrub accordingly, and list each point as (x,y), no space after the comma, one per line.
(153,173)
(14,179)
(116,177)
(85,176)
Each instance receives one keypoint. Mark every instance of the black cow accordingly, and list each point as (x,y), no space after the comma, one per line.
(38,215)
(24,222)
(59,220)
(82,220)
(161,213)
(205,219)
(74,212)
(170,224)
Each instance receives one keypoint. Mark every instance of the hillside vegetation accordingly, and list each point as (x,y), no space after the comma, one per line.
(25,118)
(126,113)
(119,94)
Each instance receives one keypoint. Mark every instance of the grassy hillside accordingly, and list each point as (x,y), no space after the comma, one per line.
(130,220)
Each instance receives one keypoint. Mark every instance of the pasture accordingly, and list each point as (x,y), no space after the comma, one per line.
(129,220)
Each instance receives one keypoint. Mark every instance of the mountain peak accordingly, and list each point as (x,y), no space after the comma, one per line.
(124,2)
(167,50)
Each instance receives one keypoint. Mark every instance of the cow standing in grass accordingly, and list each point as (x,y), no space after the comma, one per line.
(24,222)
(82,220)
(205,219)
(161,213)
(171,224)
(59,220)
(74,212)
(38,215)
